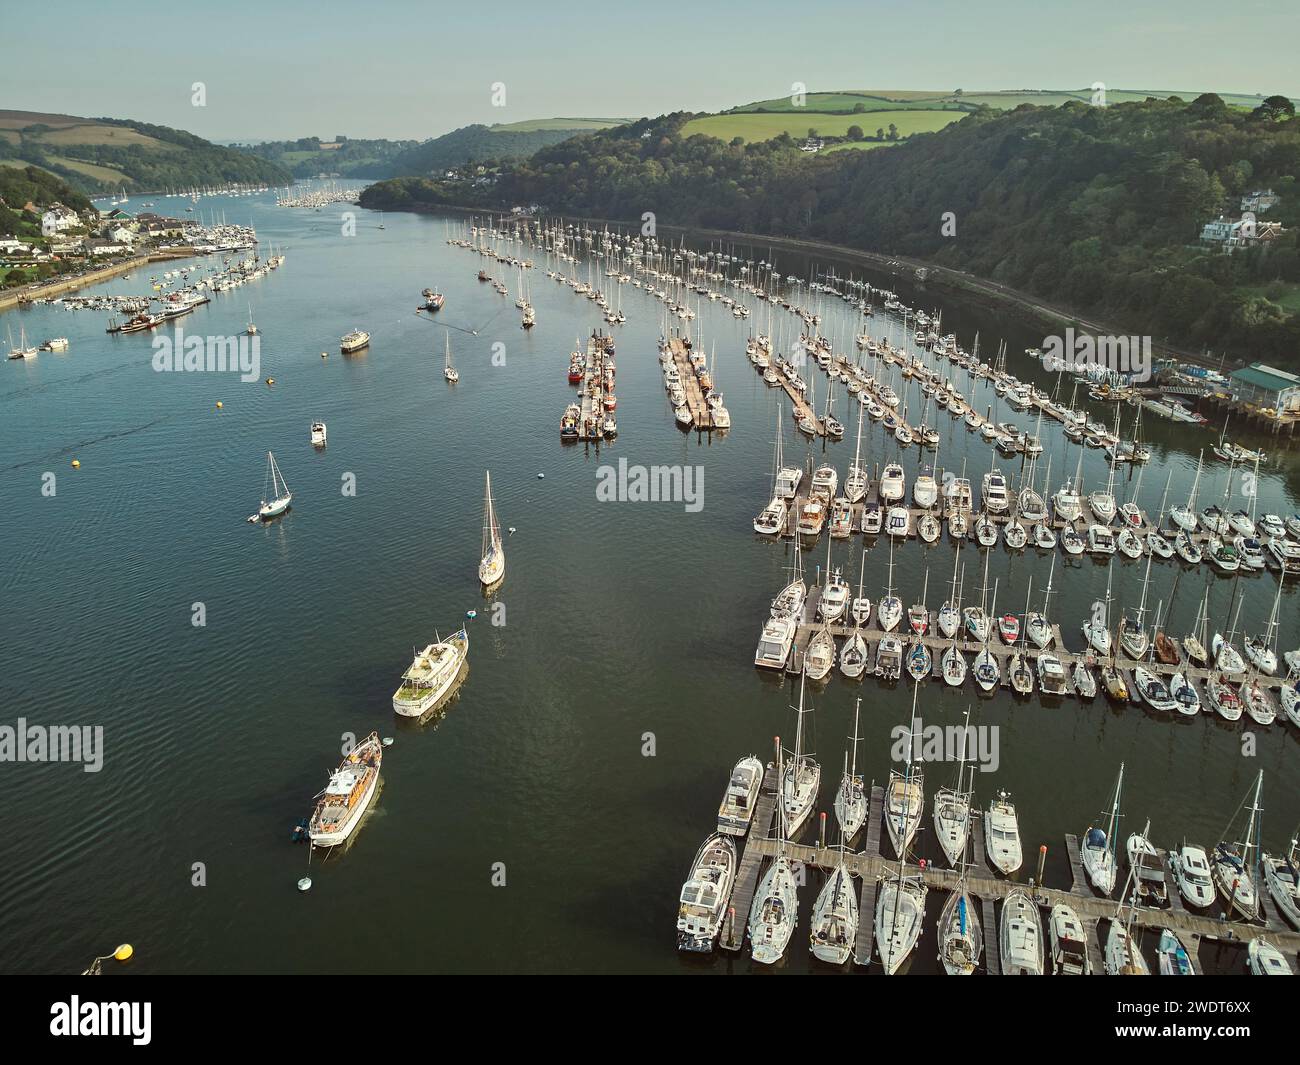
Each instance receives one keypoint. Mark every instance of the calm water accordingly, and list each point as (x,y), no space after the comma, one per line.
(620,620)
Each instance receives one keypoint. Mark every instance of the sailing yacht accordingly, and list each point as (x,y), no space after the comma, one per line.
(961,939)
(855,484)
(851,798)
(703,901)
(277,499)
(1233,868)
(1122,955)
(1282,876)
(889,610)
(834,918)
(900,901)
(775,909)
(773,517)
(449,371)
(952,807)
(802,777)
(492,565)
(1098,848)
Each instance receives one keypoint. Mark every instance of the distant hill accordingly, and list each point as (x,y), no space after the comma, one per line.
(501,142)
(102,154)
(873,111)
(353,157)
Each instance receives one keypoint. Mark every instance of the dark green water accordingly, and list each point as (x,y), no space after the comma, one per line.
(621,619)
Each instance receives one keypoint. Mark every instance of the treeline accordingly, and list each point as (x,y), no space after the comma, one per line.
(20,186)
(476,143)
(1096,209)
(355,157)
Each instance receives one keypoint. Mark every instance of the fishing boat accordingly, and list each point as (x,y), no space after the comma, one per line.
(492,564)
(1002,835)
(1069,942)
(1020,937)
(276,497)
(703,900)
(346,797)
(318,434)
(354,341)
(736,811)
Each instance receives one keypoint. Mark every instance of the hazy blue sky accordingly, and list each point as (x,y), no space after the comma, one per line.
(407,69)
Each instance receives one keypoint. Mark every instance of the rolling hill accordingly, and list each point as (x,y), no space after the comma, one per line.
(501,142)
(102,154)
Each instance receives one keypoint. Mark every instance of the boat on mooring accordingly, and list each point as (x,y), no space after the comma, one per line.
(431,674)
(347,795)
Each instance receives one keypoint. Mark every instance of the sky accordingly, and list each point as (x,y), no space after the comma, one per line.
(392,68)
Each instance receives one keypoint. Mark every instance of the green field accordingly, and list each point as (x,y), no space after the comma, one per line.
(533,124)
(890,99)
(93,170)
(761,127)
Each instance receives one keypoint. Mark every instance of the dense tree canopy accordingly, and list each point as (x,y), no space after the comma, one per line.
(1097,209)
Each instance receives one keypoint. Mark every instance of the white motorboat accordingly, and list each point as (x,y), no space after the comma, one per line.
(1191,869)
(1068,942)
(892,483)
(1021,936)
(834,599)
(1264,959)
(1282,877)
(1002,835)
(702,904)
(1172,955)
(318,434)
(736,811)
(431,675)
(774,643)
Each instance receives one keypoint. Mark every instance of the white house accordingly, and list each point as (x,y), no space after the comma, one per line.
(9,246)
(120,234)
(58,219)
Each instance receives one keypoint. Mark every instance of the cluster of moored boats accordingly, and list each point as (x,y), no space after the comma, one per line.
(593,371)
(686,368)
(1237,873)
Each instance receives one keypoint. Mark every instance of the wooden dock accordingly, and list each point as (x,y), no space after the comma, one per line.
(989,888)
(696,403)
(751,864)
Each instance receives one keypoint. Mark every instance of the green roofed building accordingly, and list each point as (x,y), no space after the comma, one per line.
(1266,386)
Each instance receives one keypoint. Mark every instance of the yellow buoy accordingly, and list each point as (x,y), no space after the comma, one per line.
(324,354)
(270,380)
(76,464)
(124,952)
(219,405)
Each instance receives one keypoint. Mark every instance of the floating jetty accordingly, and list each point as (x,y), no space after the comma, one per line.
(870,866)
